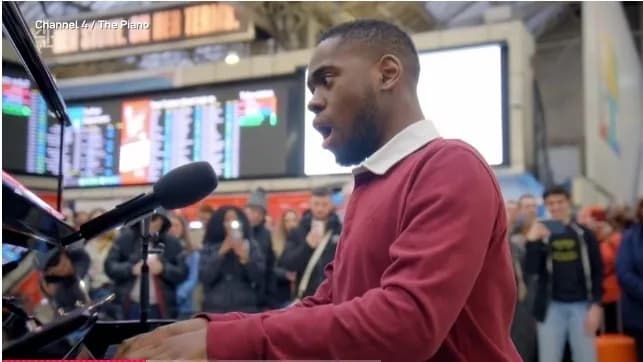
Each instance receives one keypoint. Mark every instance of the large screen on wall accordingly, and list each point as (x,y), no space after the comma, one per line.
(462,90)
(242,129)
(23,111)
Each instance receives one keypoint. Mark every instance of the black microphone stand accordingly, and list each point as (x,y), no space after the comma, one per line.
(146,238)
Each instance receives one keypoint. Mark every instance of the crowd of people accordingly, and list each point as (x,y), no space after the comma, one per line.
(243,262)
(579,275)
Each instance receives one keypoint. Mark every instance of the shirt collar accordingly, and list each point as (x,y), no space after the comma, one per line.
(397,148)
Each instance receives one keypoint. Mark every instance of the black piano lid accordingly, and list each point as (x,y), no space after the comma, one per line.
(20,37)
(27,220)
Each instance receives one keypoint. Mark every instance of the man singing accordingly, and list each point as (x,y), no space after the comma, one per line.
(422,270)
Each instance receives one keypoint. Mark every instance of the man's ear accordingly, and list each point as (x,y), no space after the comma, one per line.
(390,68)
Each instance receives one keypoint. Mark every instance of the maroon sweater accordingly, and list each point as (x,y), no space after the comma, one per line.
(422,273)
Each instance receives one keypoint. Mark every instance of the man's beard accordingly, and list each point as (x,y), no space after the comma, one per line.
(363,139)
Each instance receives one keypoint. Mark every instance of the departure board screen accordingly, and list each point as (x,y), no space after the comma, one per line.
(89,151)
(242,130)
(24,123)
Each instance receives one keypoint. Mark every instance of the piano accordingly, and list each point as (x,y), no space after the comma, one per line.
(36,323)
(46,311)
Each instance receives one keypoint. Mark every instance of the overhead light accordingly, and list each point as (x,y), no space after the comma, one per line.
(232,58)
(196,225)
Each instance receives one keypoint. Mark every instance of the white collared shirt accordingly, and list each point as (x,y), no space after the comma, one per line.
(397,148)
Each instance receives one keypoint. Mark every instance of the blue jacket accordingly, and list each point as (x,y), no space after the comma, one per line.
(185,290)
(629,268)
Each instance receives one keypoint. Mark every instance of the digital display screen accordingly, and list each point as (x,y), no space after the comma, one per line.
(24,122)
(243,130)
(460,91)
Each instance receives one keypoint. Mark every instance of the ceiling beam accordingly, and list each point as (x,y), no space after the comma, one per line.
(545,18)
(43,7)
(81,7)
(470,15)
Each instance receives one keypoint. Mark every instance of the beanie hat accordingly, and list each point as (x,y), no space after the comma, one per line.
(258,198)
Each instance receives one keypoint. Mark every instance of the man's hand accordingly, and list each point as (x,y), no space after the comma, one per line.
(537,232)
(188,346)
(159,336)
(156,266)
(136,269)
(313,239)
(593,320)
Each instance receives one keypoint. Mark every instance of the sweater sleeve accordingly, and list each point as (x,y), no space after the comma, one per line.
(447,225)
(322,296)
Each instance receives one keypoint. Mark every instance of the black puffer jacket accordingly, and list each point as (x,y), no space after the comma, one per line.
(126,252)
(263,239)
(228,285)
(282,292)
(298,252)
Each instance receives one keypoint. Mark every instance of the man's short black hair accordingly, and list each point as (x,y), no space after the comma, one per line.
(383,36)
(556,190)
(321,192)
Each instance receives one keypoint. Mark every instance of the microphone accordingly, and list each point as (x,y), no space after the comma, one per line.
(181,187)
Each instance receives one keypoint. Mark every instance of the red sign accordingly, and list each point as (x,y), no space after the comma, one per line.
(278,202)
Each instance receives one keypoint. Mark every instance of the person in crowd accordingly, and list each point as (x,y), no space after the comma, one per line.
(80,217)
(185,291)
(204,214)
(288,223)
(527,213)
(62,273)
(270,224)
(629,268)
(100,285)
(256,211)
(511,209)
(610,241)
(314,243)
(423,269)
(621,217)
(343,198)
(566,257)
(284,278)
(523,328)
(167,269)
(231,266)
(68,215)
(584,216)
